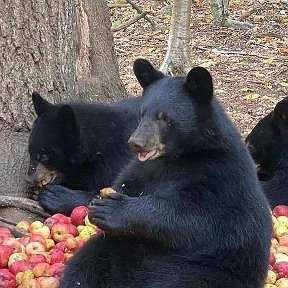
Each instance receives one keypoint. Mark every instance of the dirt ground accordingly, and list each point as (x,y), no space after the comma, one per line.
(250,67)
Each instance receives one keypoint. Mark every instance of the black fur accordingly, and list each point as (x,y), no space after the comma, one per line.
(193,217)
(268,145)
(85,143)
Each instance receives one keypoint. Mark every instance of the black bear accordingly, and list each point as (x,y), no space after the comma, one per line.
(268,145)
(189,211)
(80,146)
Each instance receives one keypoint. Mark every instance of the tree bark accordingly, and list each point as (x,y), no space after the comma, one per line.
(220,15)
(97,72)
(63,49)
(177,59)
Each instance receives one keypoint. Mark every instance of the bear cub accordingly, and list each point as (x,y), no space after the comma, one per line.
(268,145)
(189,211)
(81,147)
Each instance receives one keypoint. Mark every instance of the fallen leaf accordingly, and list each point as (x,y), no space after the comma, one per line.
(251,96)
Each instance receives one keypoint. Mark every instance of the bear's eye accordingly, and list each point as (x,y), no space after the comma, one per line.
(162,116)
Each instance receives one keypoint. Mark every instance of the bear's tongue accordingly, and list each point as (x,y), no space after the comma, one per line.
(143,156)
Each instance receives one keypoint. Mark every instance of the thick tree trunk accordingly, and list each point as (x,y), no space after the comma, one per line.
(220,15)
(177,59)
(47,46)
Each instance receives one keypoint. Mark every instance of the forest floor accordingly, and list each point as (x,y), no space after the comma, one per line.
(250,67)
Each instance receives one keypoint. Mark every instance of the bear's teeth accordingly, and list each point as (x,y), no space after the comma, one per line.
(143,156)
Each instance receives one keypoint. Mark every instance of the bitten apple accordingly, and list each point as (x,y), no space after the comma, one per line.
(78,214)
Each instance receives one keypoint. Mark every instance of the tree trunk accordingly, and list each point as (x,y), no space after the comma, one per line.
(177,59)
(220,15)
(47,46)
(97,74)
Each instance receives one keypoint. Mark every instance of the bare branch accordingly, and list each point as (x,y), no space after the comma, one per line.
(139,10)
(11,226)
(129,22)
(24,204)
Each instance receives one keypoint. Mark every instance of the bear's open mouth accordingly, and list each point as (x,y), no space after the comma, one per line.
(149,155)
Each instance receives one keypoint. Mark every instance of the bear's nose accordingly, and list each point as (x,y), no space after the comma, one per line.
(136,144)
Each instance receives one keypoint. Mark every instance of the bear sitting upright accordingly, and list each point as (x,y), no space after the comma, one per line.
(190,211)
(80,146)
(268,145)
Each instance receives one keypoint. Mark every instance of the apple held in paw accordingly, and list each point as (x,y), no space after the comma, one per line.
(78,214)
(58,231)
(34,248)
(5,253)
(23,225)
(7,279)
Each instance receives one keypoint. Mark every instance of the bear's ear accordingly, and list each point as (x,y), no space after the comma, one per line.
(40,104)
(145,73)
(281,110)
(67,122)
(199,83)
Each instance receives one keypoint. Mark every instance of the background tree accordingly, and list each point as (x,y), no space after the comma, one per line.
(65,51)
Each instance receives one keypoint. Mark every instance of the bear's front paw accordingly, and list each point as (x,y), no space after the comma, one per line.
(110,213)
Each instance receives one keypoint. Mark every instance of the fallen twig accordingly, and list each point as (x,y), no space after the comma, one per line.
(129,22)
(11,226)
(23,203)
(139,10)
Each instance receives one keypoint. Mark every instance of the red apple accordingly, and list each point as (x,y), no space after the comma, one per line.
(38,238)
(280,210)
(20,266)
(62,218)
(7,279)
(5,231)
(14,243)
(49,222)
(60,246)
(58,230)
(56,270)
(78,214)
(71,244)
(34,248)
(272,259)
(48,282)
(283,240)
(37,258)
(56,256)
(24,240)
(282,269)
(23,225)
(73,230)
(5,253)
(41,269)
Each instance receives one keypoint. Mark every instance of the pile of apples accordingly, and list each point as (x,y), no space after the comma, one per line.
(278,268)
(37,261)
